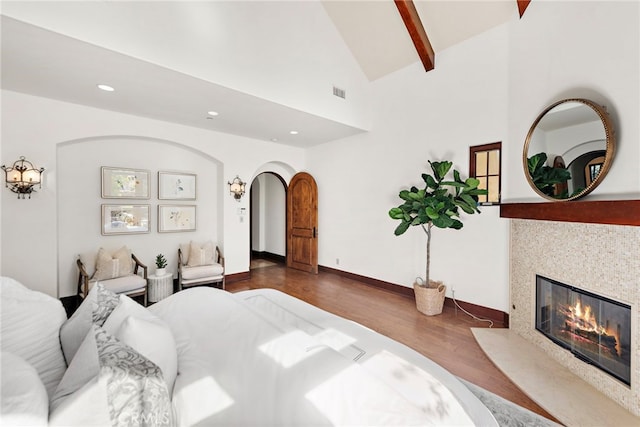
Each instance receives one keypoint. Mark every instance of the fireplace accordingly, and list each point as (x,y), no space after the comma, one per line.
(593,328)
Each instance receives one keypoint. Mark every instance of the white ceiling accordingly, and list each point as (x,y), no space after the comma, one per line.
(44,63)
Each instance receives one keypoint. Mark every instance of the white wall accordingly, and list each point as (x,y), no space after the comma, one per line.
(268,214)
(35,127)
(275,216)
(79,201)
(584,49)
(417,117)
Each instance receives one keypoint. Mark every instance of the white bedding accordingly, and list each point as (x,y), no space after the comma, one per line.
(264,358)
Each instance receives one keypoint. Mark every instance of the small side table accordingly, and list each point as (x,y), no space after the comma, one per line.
(160,287)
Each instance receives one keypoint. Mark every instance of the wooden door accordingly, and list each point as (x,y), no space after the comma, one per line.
(302,223)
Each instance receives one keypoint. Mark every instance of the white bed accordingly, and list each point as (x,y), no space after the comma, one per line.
(208,357)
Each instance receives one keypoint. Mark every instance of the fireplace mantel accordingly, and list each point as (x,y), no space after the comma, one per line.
(616,212)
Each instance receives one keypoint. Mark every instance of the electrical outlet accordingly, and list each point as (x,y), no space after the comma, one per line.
(453,293)
(337,261)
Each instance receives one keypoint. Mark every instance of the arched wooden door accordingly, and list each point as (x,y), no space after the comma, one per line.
(302,223)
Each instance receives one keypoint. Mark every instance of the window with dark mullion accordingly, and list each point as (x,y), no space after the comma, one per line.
(485,165)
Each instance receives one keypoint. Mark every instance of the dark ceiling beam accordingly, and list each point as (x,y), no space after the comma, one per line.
(417,33)
(522,6)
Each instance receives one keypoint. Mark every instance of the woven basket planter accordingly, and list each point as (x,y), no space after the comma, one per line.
(430,301)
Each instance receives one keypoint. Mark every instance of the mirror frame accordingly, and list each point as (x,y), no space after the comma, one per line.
(610,149)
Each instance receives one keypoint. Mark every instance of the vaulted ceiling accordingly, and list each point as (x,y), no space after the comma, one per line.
(55,50)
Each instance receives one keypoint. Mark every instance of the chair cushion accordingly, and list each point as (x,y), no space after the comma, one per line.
(125,284)
(202,272)
(201,254)
(113,265)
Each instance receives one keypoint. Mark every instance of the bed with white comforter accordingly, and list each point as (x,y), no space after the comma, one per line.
(206,357)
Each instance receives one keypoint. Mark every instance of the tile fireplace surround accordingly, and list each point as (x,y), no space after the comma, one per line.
(603,259)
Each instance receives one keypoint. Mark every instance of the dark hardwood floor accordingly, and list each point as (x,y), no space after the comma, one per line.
(445,338)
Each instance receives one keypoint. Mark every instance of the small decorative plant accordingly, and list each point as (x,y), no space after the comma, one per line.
(437,204)
(161,261)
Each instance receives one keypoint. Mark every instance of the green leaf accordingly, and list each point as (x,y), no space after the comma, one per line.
(432,213)
(465,207)
(472,182)
(441,169)
(456,224)
(400,229)
(443,222)
(454,184)
(456,176)
(404,195)
(428,179)
(396,213)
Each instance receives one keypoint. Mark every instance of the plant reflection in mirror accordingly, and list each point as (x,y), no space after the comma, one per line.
(546,177)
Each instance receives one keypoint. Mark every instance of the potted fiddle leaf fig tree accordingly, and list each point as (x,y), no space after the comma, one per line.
(438,204)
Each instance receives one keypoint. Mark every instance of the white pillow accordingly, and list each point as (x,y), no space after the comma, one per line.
(154,341)
(24,399)
(142,330)
(95,308)
(126,307)
(30,323)
(111,265)
(109,383)
(201,254)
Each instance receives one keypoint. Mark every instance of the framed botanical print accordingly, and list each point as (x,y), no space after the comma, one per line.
(176,218)
(176,186)
(122,183)
(125,219)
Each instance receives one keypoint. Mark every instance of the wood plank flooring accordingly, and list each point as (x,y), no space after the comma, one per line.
(445,338)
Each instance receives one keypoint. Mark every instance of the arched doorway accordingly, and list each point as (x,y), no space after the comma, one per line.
(267,205)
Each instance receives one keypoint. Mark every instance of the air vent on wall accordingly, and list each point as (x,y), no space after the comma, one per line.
(341,93)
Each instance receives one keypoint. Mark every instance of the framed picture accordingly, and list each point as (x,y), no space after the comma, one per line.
(125,219)
(120,183)
(176,218)
(176,186)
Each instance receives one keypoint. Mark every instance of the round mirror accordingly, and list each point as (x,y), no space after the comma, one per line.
(569,149)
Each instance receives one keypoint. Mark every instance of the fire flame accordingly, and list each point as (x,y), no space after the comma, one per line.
(584,319)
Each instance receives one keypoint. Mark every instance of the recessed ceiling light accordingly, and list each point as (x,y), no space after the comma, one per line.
(274,139)
(293,132)
(106,88)
(212,113)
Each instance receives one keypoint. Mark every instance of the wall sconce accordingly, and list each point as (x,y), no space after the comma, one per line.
(22,177)
(236,188)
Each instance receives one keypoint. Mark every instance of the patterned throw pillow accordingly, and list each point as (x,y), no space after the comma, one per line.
(106,302)
(200,254)
(136,391)
(109,383)
(95,308)
(112,266)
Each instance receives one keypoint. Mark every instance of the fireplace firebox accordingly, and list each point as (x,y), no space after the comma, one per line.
(595,329)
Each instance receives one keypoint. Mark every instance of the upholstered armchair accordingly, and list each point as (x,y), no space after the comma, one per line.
(119,271)
(200,264)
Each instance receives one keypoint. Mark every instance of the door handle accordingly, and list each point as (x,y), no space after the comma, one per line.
(314,232)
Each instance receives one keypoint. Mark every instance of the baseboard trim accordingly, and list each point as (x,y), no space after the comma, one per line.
(269,256)
(237,277)
(402,290)
(496,316)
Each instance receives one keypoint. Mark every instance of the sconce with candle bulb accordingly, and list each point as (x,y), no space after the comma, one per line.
(236,188)
(22,176)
